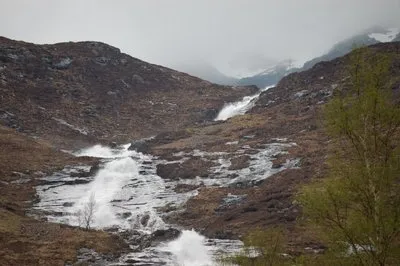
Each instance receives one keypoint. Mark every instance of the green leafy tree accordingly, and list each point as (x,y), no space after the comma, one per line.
(356,208)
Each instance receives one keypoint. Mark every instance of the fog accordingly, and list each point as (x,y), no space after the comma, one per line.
(228,34)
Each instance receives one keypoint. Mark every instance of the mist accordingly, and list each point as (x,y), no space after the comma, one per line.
(227,34)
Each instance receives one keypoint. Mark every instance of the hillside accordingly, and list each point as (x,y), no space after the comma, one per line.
(286,114)
(222,178)
(77,93)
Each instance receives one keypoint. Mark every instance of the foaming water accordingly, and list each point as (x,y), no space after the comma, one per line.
(125,189)
(189,249)
(127,193)
(240,107)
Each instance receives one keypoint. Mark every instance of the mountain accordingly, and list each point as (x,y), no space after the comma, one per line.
(236,175)
(207,72)
(269,76)
(89,91)
(371,36)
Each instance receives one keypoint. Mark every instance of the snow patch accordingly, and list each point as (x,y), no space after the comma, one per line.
(385,37)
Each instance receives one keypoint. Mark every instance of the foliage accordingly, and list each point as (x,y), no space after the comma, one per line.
(86,215)
(356,207)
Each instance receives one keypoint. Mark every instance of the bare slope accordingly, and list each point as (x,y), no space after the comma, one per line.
(86,91)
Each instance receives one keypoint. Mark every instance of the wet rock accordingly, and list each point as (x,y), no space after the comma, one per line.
(239,162)
(169,207)
(139,146)
(126,215)
(186,170)
(183,188)
(82,173)
(113,145)
(140,240)
(165,235)
(68,204)
(94,169)
(144,220)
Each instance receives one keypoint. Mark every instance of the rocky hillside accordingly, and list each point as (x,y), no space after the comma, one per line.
(78,93)
(286,114)
(246,169)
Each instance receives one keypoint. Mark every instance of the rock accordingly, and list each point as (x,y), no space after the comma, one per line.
(183,188)
(139,146)
(140,240)
(94,169)
(189,169)
(126,215)
(165,235)
(169,207)
(113,145)
(144,220)
(68,204)
(276,165)
(239,162)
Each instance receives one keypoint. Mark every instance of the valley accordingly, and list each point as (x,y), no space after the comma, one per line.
(180,168)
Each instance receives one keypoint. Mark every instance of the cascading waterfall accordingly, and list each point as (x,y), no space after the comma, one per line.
(125,190)
(240,107)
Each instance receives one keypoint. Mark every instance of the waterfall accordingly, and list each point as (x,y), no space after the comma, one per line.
(239,107)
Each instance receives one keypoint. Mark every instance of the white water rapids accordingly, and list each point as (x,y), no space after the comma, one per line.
(130,195)
(126,189)
(239,107)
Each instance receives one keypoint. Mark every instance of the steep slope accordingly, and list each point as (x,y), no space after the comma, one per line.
(89,91)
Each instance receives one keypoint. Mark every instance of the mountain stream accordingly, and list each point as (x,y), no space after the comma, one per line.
(129,195)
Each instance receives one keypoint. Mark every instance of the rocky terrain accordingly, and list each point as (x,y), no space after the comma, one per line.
(246,169)
(79,93)
(287,113)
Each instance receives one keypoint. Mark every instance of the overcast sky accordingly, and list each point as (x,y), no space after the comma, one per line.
(222,32)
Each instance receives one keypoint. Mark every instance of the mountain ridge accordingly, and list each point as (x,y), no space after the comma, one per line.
(90,91)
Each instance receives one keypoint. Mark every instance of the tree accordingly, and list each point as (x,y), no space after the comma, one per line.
(86,215)
(357,206)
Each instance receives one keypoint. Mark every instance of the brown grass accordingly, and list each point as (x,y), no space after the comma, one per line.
(23,240)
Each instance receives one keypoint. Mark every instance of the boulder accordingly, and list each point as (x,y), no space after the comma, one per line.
(139,146)
(189,169)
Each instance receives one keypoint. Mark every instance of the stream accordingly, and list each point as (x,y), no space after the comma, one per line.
(129,195)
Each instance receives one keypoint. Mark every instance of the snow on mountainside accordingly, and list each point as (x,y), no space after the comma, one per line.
(387,36)
(374,35)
